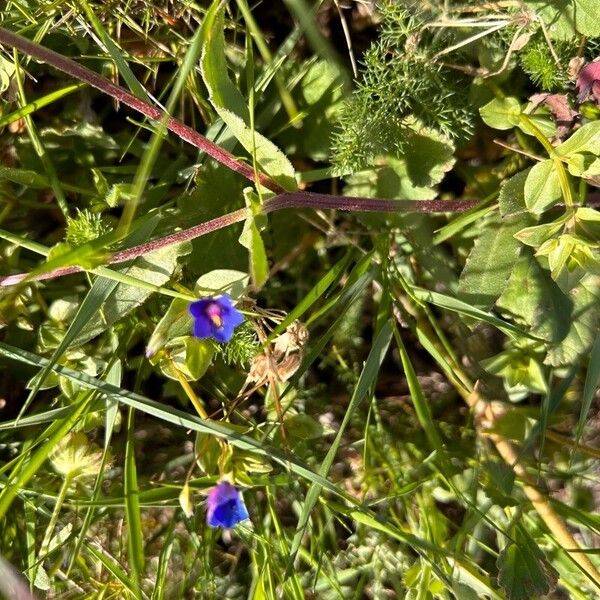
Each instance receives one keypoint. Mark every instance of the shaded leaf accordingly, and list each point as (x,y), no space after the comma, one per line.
(585,322)
(155,268)
(524,572)
(490,264)
(532,298)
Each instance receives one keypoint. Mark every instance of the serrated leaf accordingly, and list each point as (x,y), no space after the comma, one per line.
(230,104)
(523,571)
(542,187)
(501,113)
(421,163)
(511,200)
(24,177)
(490,264)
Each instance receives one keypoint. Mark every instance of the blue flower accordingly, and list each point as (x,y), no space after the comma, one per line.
(226,506)
(215,317)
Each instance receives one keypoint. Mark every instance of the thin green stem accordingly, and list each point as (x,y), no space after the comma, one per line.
(563,178)
(60,499)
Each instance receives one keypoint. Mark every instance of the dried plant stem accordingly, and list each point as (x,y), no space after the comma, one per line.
(508,451)
(486,415)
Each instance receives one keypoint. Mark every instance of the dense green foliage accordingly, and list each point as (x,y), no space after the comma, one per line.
(410,408)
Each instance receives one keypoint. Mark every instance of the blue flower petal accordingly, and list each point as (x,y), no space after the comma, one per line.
(206,310)
(198,308)
(225,333)
(203,328)
(226,506)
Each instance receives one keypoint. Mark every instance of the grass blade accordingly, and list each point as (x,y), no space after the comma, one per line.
(135,540)
(366,380)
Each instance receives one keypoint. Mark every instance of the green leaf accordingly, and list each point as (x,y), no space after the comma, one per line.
(38,103)
(584,326)
(24,177)
(524,573)
(252,240)
(533,299)
(585,140)
(501,113)
(187,355)
(230,104)
(465,309)
(135,536)
(569,259)
(542,187)
(421,162)
(565,19)
(583,165)
(154,268)
(511,200)
(222,281)
(490,263)
(592,381)
(536,235)
(176,322)
(218,191)
(303,427)
(207,451)
(7,72)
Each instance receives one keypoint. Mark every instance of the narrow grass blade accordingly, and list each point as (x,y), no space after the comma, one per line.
(135,539)
(38,458)
(367,378)
(330,278)
(462,308)
(34,105)
(39,147)
(418,398)
(113,567)
(115,53)
(592,380)
(160,583)
(44,417)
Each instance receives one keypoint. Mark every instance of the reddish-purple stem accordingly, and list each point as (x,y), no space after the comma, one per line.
(286,200)
(283,200)
(104,85)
